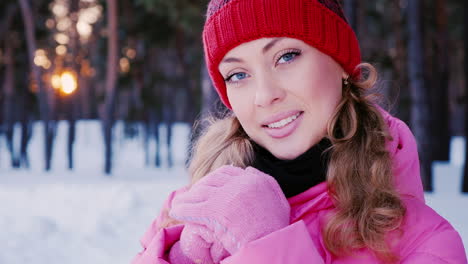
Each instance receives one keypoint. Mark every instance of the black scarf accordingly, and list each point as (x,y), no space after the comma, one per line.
(297,175)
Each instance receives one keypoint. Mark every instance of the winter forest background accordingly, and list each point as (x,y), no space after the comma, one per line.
(98,99)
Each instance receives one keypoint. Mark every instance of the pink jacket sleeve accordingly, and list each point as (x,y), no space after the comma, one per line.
(157,241)
(291,244)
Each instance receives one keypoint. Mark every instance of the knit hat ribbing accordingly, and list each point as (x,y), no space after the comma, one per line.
(319,23)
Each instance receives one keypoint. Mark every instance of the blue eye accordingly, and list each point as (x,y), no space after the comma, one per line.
(288,57)
(236,77)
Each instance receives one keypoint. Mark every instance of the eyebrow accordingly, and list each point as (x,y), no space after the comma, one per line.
(271,44)
(231,59)
(264,50)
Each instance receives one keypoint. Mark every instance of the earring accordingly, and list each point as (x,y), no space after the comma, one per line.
(346,81)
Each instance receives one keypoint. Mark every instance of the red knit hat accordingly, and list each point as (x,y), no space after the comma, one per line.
(319,23)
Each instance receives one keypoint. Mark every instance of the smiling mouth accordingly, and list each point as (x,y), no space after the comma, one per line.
(284,122)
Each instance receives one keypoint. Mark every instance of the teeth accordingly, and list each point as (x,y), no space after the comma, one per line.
(284,122)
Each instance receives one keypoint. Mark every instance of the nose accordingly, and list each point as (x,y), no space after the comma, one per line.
(268,92)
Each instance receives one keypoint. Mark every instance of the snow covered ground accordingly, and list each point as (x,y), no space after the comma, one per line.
(84,216)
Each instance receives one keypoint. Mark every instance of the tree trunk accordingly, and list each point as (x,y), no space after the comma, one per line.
(9,102)
(26,127)
(169,118)
(211,104)
(7,120)
(188,83)
(400,69)
(155,104)
(71,137)
(8,16)
(440,102)
(111,81)
(155,120)
(420,113)
(71,99)
(36,72)
(465,171)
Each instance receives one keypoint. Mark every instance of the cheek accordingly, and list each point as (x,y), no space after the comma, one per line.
(242,107)
(316,90)
(247,121)
(319,93)
(238,99)
(325,83)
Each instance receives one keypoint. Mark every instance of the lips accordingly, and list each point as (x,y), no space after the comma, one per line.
(283,125)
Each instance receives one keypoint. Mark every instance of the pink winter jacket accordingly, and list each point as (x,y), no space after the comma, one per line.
(427,237)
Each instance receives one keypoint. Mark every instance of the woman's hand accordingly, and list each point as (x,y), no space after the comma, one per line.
(227,209)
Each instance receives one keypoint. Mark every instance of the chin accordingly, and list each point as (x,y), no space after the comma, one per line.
(286,153)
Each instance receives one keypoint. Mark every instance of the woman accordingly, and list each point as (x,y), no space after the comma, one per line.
(306,168)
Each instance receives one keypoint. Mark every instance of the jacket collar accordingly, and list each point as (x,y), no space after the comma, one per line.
(314,199)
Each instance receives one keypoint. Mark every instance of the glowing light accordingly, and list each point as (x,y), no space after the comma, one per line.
(131,53)
(56,81)
(91,15)
(40,59)
(62,38)
(68,82)
(40,52)
(47,65)
(59,9)
(63,24)
(61,50)
(124,65)
(84,29)
(50,23)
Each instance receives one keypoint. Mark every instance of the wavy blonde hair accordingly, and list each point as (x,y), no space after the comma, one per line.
(367,205)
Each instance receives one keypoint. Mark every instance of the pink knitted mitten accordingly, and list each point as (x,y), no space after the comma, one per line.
(227,209)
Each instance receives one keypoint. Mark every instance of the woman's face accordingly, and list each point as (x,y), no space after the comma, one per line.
(283,91)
